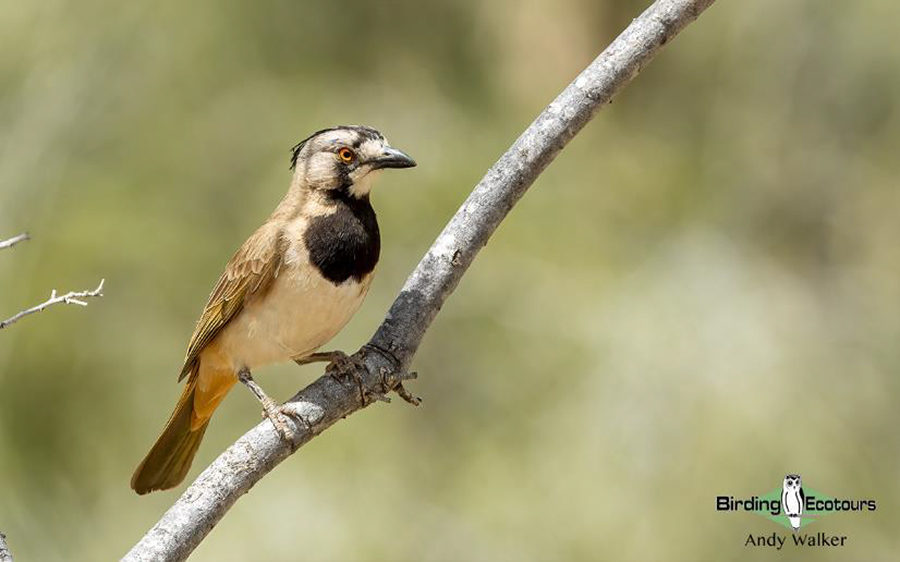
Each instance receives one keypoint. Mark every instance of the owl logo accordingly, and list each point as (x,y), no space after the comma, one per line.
(792,499)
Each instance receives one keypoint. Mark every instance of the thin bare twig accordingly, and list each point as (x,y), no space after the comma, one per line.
(390,351)
(72,297)
(10,242)
(5,554)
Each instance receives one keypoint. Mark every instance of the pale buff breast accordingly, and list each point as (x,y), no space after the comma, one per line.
(301,312)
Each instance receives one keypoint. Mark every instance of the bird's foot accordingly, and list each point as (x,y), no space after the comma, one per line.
(344,368)
(272,410)
(276,413)
(349,368)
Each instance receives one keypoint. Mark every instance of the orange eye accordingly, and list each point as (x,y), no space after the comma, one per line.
(346,154)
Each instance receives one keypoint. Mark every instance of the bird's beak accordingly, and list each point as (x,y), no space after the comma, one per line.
(392,158)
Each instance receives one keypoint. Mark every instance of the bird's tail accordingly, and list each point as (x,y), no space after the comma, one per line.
(170,458)
(795,522)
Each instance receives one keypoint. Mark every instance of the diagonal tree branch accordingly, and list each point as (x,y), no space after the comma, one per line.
(391,349)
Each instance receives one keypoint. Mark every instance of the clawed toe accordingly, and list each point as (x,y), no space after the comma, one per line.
(346,365)
(271,409)
(277,415)
(345,368)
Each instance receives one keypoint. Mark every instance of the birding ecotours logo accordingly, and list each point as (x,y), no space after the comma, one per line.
(794,506)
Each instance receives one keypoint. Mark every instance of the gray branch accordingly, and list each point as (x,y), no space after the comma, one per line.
(5,554)
(72,297)
(390,351)
(10,242)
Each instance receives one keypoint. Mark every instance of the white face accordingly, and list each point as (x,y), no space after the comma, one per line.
(363,176)
(792,482)
(346,160)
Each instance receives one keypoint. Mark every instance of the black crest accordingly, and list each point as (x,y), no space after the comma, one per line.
(365,133)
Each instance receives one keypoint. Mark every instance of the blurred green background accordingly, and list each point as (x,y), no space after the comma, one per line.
(698,296)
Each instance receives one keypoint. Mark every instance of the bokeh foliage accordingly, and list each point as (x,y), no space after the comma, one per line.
(697,297)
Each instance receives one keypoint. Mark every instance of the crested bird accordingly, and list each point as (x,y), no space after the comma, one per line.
(289,289)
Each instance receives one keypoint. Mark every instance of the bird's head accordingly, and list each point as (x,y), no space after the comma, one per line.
(343,161)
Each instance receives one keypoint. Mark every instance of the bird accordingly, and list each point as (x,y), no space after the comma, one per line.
(288,290)
(792,500)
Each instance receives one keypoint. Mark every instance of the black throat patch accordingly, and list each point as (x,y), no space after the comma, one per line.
(345,243)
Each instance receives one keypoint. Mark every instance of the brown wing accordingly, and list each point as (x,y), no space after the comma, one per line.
(251,271)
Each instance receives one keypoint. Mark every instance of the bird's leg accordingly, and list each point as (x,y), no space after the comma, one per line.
(323,357)
(271,409)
